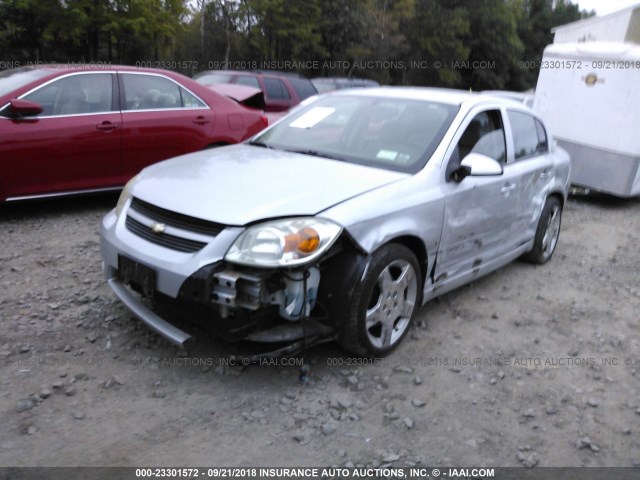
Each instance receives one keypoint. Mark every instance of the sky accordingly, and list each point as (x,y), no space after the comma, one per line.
(603,7)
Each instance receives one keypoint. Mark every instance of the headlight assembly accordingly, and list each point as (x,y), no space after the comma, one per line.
(125,196)
(283,243)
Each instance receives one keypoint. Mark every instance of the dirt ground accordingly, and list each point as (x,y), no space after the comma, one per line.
(533,366)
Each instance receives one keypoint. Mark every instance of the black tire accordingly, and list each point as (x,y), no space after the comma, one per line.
(384,304)
(547,233)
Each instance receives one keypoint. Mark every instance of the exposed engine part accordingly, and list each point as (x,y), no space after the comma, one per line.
(236,289)
(299,295)
(295,298)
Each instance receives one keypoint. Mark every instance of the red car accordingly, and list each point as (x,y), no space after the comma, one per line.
(70,130)
(282,91)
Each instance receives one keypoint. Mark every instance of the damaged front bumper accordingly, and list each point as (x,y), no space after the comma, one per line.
(286,309)
(271,307)
(140,310)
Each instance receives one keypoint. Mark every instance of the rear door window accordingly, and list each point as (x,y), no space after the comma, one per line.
(543,143)
(527,138)
(189,100)
(150,92)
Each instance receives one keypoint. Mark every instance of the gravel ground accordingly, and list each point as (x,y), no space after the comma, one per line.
(530,366)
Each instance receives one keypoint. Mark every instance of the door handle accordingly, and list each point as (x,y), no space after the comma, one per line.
(200,120)
(508,188)
(546,173)
(106,126)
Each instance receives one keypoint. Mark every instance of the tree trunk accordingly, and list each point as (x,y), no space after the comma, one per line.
(202,12)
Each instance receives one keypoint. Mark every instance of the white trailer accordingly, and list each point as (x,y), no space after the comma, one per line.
(589,95)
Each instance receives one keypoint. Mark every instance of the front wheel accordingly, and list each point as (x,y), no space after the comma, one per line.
(547,232)
(384,303)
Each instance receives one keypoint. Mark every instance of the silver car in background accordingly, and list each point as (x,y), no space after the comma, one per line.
(341,220)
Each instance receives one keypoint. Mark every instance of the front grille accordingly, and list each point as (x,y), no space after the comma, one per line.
(163,239)
(177,220)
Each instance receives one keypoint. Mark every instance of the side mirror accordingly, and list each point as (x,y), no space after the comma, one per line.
(24,108)
(477,165)
(482,165)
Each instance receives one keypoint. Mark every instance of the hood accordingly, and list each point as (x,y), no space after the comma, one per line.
(241,184)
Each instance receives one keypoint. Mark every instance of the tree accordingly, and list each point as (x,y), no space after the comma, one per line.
(219,24)
(536,18)
(494,45)
(287,29)
(26,24)
(489,44)
(342,28)
(143,29)
(436,35)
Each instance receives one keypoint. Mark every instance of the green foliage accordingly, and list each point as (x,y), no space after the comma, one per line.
(127,31)
(455,43)
(536,18)
(437,35)
(493,43)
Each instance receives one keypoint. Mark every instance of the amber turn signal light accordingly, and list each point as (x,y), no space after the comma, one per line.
(305,241)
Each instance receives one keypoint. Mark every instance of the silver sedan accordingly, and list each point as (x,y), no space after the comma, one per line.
(341,220)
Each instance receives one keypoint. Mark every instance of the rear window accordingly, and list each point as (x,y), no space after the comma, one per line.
(213,78)
(17,78)
(275,89)
(248,81)
(303,87)
(324,86)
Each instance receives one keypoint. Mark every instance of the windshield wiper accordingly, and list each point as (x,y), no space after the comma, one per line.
(314,153)
(258,143)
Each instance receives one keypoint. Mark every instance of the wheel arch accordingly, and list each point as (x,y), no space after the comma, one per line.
(417,246)
(558,195)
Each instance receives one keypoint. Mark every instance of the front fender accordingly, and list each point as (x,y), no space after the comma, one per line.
(339,276)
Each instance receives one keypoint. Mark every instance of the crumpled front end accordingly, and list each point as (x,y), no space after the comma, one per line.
(153,253)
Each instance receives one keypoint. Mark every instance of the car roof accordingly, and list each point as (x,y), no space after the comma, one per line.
(344,79)
(53,71)
(442,95)
(274,73)
(62,68)
(508,94)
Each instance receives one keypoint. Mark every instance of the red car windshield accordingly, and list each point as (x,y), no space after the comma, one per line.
(19,77)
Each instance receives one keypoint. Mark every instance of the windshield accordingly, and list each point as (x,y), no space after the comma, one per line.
(11,80)
(391,133)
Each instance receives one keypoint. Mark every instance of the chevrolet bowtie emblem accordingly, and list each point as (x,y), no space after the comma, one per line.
(158,227)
